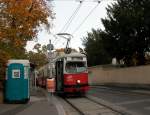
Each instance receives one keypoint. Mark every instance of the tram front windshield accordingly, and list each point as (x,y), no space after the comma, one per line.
(75,67)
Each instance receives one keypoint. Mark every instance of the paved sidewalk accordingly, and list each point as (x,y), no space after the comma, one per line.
(39,104)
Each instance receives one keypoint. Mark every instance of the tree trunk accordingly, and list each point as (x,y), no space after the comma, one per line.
(141,59)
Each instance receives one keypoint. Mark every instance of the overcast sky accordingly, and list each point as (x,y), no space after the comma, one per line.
(63,9)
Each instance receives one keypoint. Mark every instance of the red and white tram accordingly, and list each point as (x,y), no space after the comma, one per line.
(71,74)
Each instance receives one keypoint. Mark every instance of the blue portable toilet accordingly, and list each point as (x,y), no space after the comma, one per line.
(17,81)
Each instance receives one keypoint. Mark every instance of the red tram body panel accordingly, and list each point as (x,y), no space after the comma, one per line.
(71,74)
(76,82)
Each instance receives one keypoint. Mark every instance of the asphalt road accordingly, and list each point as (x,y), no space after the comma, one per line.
(137,103)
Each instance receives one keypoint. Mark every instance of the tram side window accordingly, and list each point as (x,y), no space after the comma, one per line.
(75,67)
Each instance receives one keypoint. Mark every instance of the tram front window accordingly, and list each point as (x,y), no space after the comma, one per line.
(75,67)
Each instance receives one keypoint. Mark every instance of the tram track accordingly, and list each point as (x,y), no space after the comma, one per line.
(74,107)
(114,110)
(88,106)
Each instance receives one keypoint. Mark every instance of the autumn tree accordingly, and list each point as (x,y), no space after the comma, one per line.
(39,57)
(3,60)
(21,19)
(20,22)
(37,47)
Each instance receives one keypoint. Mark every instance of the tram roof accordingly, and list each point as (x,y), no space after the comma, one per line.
(21,61)
(71,55)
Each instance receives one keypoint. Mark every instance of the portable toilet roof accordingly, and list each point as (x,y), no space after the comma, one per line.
(24,62)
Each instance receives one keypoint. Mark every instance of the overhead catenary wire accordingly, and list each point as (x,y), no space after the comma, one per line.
(85,18)
(65,27)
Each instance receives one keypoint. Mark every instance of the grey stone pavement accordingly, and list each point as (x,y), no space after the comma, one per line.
(40,104)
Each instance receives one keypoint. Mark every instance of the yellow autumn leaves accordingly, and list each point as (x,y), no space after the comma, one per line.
(19,22)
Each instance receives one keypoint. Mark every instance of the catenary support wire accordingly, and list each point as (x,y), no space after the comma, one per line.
(65,27)
(85,19)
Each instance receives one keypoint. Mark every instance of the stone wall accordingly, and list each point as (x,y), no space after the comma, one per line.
(131,76)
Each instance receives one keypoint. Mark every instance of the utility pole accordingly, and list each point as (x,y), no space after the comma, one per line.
(50,48)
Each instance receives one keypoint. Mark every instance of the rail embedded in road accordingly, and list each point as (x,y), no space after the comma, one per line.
(86,106)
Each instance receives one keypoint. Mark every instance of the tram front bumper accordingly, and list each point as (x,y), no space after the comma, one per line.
(76,88)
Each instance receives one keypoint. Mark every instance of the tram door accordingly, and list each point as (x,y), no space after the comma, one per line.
(59,76)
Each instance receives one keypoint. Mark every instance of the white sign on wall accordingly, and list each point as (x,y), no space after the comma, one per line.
(16,73)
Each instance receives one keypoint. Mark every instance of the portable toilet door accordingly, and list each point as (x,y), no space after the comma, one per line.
(17,82)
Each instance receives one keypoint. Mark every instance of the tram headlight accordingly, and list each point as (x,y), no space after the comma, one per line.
(78,81)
